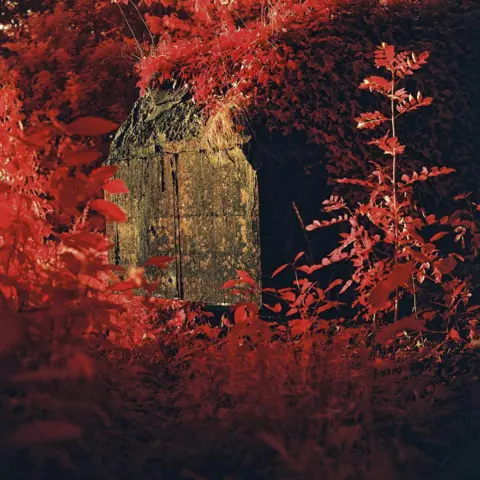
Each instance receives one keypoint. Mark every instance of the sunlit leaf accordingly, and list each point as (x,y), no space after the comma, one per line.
(230,283)
(246,278)
(109,210)
(115,186)
(277,308)
(298,256)
(335,283)
(455,336)
(279,269)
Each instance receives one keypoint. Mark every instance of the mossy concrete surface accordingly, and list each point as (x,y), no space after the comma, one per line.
(188,199)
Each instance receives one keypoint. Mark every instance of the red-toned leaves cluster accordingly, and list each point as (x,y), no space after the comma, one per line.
(291,67)
(391,256)
(55,279)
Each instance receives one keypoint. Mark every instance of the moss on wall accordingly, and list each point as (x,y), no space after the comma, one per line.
(187,200)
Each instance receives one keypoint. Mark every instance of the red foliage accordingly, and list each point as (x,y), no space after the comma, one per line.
(290,66)
(55,281)
(75,63)
(263,56)
(386,245)
(57,288)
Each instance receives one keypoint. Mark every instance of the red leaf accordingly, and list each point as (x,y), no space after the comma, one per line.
(378,84)
(446,265)
(72,262)
(383,364)
(91,126)
(109,210)
(299,256)
(455,336)
(123,286)
(102,174)
(82,157)
(252,309)
(397,277)
(160,262)
(85,240)
(438,236)
(379,295)
(6,215)
(4,187)
(279,269)
(370,119)
(240,314)
(288,296)
(326,307)
(305,268)
(246,278)
(408,323)
(384,55)
(230,284)
(400,274)
(336,282)
(389,145)
(277,308)
(299,326)
(316,224)
(322,324)
(150,287)
(346,286)
(115,186)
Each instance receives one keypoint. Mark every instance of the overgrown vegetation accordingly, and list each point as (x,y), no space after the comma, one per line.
(373,382)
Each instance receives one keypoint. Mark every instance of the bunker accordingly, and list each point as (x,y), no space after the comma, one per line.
(195,195)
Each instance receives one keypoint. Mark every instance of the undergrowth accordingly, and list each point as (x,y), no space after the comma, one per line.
(99,383)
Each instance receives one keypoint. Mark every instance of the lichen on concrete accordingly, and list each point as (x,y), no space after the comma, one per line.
(190,198)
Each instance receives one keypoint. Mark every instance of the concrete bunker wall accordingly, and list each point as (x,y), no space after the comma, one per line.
(187,200)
